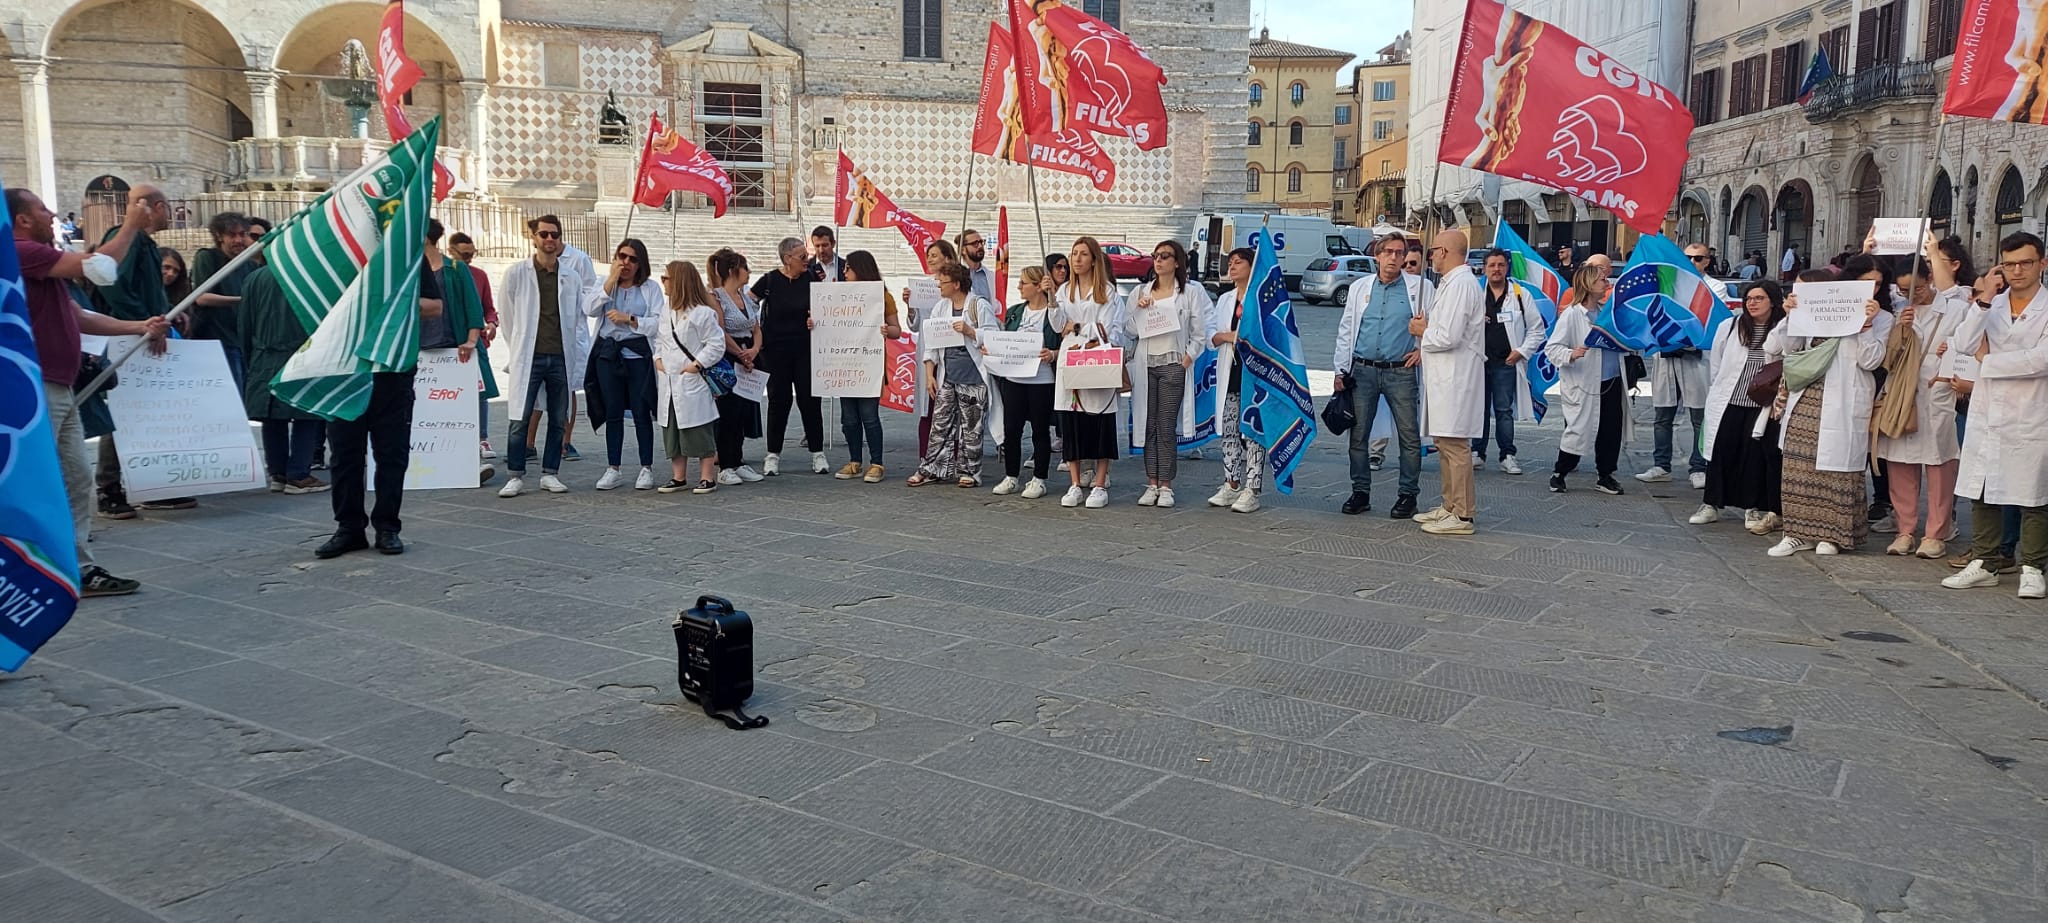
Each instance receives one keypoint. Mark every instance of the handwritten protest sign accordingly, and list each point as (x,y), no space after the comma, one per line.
(924,296)
(937,333)
(1083,369)
(1828,309)
(1898,235)
(1157,320)
(1012,354)
(751,384)
(183,432)
(846,343)
(443,422)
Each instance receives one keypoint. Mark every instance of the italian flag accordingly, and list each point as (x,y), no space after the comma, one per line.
(349,265)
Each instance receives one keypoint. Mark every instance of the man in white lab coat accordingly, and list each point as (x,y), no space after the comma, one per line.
(1453,381)
(2005,453)
(542,324)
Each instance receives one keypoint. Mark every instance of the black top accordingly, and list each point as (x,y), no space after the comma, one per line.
(1497,345)
(785,306)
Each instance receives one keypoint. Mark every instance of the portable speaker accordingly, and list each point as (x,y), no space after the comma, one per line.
(715,660)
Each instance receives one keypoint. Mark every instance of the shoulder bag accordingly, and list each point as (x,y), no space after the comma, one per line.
(720,376)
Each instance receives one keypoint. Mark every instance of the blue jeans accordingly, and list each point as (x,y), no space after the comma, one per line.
(1402,387)
(552,374)
(1660,442)
(288,447)
(862,416)
(1501,384)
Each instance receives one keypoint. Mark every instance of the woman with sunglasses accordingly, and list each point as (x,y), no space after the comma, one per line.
(1159,365)
(690,339)
(739,419)
(1088,428)
(620,375)
(785,298)
(862,416)
(1739,436)
(1057,270)
(1029,399)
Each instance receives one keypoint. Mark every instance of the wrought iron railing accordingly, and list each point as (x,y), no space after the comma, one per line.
(1871,86)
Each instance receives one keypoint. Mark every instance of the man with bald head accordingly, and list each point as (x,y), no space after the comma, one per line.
(1453,349)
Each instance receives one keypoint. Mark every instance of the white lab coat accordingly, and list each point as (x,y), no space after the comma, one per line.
(586,269)
(1193,305)
(1578,380)
(1844,443)
(685,398)
(1526,333)
(2005,458)
(1726,360)
(980,317)
(1454,359)
(519,314)
(1420,294)
(1676,380)
(1933,441)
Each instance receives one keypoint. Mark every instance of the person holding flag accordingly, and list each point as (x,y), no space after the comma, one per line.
(1244,459)
(1590,386)
(1275,401)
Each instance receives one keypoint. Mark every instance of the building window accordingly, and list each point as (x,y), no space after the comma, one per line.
(1880,35)
(1294,132)
(1109,11)
(1256,136)
(1835,44)
(1788,71)
(1382,90)
(1297,92)
(561,65)
(1386,168)
(1339,181)
(1382,129)
(1705,98)
(733,100)
(1251,179)
(1258,93)
(922,23)
(1338,158)
(1343,115)
(1746,85)
(1944,26)
(1293,179)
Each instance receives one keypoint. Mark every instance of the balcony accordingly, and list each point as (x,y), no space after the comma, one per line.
(1871,87)
(311,163)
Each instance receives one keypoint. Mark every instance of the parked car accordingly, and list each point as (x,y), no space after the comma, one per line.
(1126,261)
(1329,278)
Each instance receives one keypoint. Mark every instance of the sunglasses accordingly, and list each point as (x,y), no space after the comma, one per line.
(1162,256)
(1697,259)
(626,258)
(547,235)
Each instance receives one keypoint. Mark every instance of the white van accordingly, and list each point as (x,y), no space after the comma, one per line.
(1297,239)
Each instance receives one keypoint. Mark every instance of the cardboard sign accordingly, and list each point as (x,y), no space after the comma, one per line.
(1897,235)
(1162,318)
(1828,309)
(936,333)
(846,344)
(1085,369)
(443,423)
(924,296)
(1012,354)
(182,430)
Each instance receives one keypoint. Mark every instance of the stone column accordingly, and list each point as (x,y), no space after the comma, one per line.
(262,101)
(35,123)
(477,94)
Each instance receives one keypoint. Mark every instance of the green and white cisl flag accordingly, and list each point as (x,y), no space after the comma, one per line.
(350,267)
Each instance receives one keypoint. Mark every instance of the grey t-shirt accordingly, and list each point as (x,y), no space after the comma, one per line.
(960,366)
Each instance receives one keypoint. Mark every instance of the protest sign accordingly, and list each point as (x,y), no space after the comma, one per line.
(183,431)
(1012,354)
(443,423)
(937,333)
(1897,235)
(900,392)
(846,342)
(1157,320)
(924,296)
(1828,309)
(751,384)
(1082,369)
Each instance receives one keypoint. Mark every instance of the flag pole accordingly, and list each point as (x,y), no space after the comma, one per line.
(967,197)
(1926,203)
(1031,170)
(630,211)
(221,275)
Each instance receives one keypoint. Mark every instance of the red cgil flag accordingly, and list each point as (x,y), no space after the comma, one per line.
(2000,69)
(1077,71)
(999,123)
(397,74)
(1530,102)
(1002,291)
(859,203)
(670,162)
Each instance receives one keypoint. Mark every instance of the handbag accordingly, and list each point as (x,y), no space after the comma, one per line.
(1763,388)
(721,377)
(1338,416)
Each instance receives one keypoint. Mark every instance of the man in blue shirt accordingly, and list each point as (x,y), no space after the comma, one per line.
(1377,357)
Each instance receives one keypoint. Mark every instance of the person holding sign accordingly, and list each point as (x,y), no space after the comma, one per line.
(1244,460)
(862,416)
(1740,437)
(688,339)
(1167,320)
(1590,386)
(1028,398)
(739,419)
(1828,392)
(1916,416)
(1086,308)
(955,387)
(2005,459)
(785,297)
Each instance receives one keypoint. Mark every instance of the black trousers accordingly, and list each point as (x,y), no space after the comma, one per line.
(1023,404)
(1607,442)
(789,381)
(384,429)
(627,384)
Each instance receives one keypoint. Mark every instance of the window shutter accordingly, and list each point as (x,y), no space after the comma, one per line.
(1777,82)
(1866,39)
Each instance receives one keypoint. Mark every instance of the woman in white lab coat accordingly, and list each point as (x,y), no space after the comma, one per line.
(1590,386)
(1826,422)
(690,338)
(1090,317)
(956,387)
(1162,404)
(1739,438)
(1937,303)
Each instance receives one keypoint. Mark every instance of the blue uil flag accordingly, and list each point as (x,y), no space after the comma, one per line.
(1276,410)
(38,557)
(1542,286)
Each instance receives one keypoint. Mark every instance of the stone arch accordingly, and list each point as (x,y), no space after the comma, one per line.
(1296,173)
(1792,215)
(1749,224)
(1866,194)
(1694,225)
(309,56)
(2008,200)
(1941,204)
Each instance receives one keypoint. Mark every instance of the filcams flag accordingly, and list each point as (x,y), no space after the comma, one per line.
(858,203)
(397,74)
(670,162)
(1275,408)
(2000,69)
(1077,71)
(1541,285)
(1530,102)
(999,123)
(1660,303)
(349,266)
(1002,292)
(38,549)
(1817,73)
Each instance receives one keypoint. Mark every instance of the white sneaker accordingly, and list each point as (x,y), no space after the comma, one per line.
(612,478)
(1478,461)
(1508,465)
(2032,584)
(1752,519)
(771,466)
(1657,474)
(1007,487)
(748,474)
(1150,496)
(1098,498)
(1826,548)
(1225,495)
(645,480)
(818,463)
(728,477)
(1247,502)
(513,487)
(1789,546)
(1771,522)
(1034,489)
(1073,497)
(1699,480)
(553,485)
(485,451)
(1705,514)
(1978,574)
(1165,498)
(1449,525)
(1436,515)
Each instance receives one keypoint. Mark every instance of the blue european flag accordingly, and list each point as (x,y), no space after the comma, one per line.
(1276,409)
(38,560)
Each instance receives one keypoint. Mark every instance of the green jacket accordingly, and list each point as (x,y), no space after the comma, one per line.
(138,294)
(465,312)
(217,323)
(270,333)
